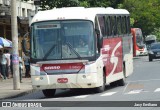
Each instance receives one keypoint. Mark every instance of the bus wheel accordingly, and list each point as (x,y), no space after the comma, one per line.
(49,92)
(114,84)
(122,81)
(101,88)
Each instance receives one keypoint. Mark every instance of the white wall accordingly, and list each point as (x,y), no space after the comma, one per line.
(22,8)
(21,5)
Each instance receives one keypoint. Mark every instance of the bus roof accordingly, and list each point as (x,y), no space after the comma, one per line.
(75,13)
(150,37)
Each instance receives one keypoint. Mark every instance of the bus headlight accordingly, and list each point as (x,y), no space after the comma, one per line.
(36,65)
(38,78)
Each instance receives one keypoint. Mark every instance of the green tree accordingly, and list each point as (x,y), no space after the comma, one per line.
(100,3)
(157,33)
(84,3)
(49,4)
(145,14)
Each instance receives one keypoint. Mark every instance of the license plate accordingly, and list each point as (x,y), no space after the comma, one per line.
(62,80)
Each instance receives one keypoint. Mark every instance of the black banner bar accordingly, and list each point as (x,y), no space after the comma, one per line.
(80,104)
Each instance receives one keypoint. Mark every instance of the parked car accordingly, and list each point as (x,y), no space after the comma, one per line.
(154,51)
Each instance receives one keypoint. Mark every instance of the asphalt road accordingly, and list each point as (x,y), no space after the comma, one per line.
(142,85)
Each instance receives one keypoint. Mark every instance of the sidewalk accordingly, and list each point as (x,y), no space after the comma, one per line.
(7,91)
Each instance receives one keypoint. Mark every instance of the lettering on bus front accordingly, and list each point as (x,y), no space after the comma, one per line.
(52,67)
(72,66)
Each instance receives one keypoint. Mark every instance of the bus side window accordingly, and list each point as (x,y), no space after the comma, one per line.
(123,24)
(98,34)
(101,21)
(125,20)
(113,26)
(107,25)
(96,25)
(119,30)
(128,25)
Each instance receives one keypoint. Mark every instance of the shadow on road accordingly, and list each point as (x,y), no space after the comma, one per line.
(77,92)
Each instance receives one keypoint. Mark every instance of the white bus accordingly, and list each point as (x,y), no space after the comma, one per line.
(59,59)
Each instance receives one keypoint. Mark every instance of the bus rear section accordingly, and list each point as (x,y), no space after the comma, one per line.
(139,48)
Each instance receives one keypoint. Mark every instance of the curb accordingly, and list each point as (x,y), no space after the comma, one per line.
(19,94)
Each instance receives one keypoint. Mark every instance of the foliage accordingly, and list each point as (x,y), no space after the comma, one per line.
(49,4)
(157,33)
(132,21)
(84,3)
(100,3)
(145,13)
(95,3)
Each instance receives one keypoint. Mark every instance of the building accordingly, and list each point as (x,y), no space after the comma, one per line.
(23,11)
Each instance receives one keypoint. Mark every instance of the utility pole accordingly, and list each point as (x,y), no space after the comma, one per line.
(15,56)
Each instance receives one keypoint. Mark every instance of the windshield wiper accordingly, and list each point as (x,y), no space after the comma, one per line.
(70,46)
(49,52)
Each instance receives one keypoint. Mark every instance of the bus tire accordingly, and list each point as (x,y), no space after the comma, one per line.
(122,81)
(101,88)
(49,92)
(114,84)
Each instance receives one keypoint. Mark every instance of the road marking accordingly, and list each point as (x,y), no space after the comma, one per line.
(145,80)
(157,90)
(126,87)
(81,96)
(135,91)
(108,94)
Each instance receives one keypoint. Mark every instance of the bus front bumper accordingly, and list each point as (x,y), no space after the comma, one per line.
(65,81)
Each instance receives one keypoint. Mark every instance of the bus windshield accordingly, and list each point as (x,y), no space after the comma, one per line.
(139,39)
(62,40)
